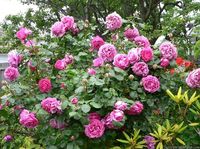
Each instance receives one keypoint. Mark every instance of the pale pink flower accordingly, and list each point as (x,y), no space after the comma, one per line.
(97,62)
(113,21)
(151,83)
(58,29)
(91,71)
(117,115)
(140,69)
(168,50)
(75,30)
(120,105)
(69,59)
(133,55)
(193,79)
(11,73)
(107,52)
(51,105)
(57,124)
(29,43)
(121,61)
(14,58)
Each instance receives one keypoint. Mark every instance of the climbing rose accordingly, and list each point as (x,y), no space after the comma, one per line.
(96,42)
(133,56)
(107,52)
(130,33)
(69,59)
(51,105)
(147,54)
(23,33)
(94,116)
(98,62)
(91,71)
(58,29)
(54,123)
(136,108)
(95,129)
(121,61)
(142,41)
(193,79)
(45,85)
(8,138)
(164,62)
(168,50)
(28,119)
(117,115)
(151,83)
(74,100)
(113,21)
(120,105)
(68,22)
(140,69)
(60,64)
(11,73)
(150,141)
(14,58)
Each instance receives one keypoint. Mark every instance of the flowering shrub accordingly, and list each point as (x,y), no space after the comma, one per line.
(85,89)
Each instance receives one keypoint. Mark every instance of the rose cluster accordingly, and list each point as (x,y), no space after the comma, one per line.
(193,79)
(62,64)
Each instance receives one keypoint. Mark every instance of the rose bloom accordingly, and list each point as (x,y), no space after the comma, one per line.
(140,69)
(97,62)
(168,50)
(28,119)
(117,115)
(133,56)
(8,138)
(114,37)
(75,30)
(45,85)
(60,64)
(147,54)
(136,108)
(54,123)
(91,71)
(58,29)
(74,100)
(94,116)
(120,105)
(68,22)
(11,73)
(107,52)
(151,83)
(150,141)
(121,61)
(113,21)
(193,79)
(23,33)
(29,43)
(164,62)
(142,41)
(130,33)
(69,59)
(51,105)
(14,58)
(95,129)
(96,42)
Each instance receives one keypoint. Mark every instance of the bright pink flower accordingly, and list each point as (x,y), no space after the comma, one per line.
(94,116)
(117,115)
(91,71)
(68,22)
(146,54)
(11,73)
(136,108)
(96,42)
(51,105)
(60,64)
(45,85)
(74,100)
(8,138)
(54,123)
(151,83)
(120,105)
(107,121)
(97,62)
(58,29)
(133,56)
(113,21)
(193,79)
(168,50)
(95,129)
(23,33)
(130,33)
(28,119)
(121,61)
(69,59)
(107,52)
(14,58)
(140,69)
(164,62)
(142,41)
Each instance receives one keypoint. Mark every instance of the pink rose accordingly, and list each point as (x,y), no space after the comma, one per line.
(1,107)
(96,42)
(107,121)
(51,105)
(75,30)
(121,61)
(140,69)
(23,33)
(11,73)
(58,29)
(68,22)
(164,62)
(98,62)
(113,21)
(54,123)
(14,58)
(74,100)
(45,85)
(142,41)
(69,59)
(95,129)
(60,64)
(133,56)
(151,83)
(107,52)
(147,54)
(28,119)
(114,37)
(117,115)
(94,116)
(120,105)
(130,34)
(168,50)
(136,108)
(91,71)
(193,79)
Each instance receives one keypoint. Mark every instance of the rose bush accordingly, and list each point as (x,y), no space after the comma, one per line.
(85,89)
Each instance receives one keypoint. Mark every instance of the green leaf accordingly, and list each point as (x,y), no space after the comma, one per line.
(197,49)
(79,89)
(133,94)
(96,105)
(180,141)
(123,141)
(64,104)
(119,77)
(85,108)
